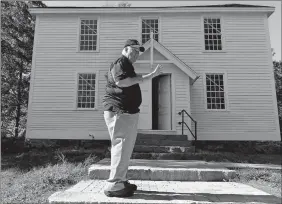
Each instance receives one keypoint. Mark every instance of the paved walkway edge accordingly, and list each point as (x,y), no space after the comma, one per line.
(230,165)
(166,192)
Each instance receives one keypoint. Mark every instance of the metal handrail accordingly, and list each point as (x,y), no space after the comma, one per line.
(188,115)
(182,112)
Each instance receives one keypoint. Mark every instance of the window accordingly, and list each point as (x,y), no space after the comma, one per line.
(215,91)
(86,90)
(213,34)
(88,35)
(147,26)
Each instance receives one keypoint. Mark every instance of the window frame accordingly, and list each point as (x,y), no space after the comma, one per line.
(223,44)
(96,90)
(149,18)
(225,91)
(79,32)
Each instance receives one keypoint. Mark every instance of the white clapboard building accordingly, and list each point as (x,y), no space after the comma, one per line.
(216,60)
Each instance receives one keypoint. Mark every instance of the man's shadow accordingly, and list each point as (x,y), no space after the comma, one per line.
(159,195)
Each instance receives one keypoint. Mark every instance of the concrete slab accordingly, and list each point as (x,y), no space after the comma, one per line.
(165,170)
(193,164)
(165,163)
(231,165)
(166,192)
(152,141)
(162,149)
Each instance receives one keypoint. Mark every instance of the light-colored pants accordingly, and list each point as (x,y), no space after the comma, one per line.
(123,131)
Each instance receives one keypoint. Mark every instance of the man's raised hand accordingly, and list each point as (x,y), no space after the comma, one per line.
(157,71)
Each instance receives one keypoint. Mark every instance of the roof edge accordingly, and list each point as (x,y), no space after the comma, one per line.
(174,59)
(194,9)
(192,6)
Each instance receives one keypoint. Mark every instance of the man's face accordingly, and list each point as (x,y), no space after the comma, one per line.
(133,54)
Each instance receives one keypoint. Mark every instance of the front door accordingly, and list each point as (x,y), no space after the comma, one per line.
(164,99)
(161,101)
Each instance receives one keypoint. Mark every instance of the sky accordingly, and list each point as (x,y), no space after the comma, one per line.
(274,20)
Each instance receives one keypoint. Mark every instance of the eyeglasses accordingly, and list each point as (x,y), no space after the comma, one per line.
(135,49)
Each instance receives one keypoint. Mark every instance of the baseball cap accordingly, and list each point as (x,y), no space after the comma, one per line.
(134,43)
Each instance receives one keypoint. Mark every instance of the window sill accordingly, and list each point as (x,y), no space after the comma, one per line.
(86,109)
(94,51)
(217,110)
(214,51)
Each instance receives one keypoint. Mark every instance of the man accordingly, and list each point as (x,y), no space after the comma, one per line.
(121,112)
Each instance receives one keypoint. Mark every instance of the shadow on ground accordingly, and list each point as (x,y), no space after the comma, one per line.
(158,195)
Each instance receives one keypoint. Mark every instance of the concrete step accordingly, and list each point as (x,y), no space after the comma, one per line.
(157,142)
(162,149)
(166,192)
(164,156)
(161,137)
(165,170)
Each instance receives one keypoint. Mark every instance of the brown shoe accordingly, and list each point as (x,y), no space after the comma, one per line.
(132,186)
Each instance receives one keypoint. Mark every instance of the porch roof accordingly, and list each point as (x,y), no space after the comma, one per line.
(171,57)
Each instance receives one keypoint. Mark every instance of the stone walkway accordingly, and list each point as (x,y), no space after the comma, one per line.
(167,192)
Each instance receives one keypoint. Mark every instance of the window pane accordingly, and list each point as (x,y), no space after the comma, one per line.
(213,28)
(86,98)
(88,34)
(215,91)
(149,25)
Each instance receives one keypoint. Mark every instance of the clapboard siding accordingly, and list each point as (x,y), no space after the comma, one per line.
(251,106)
(245,61)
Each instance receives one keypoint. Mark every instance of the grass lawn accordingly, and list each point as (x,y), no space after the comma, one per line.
(263,179)
(37,184)
(29,179)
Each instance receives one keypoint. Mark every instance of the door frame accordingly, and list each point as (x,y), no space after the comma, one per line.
(172,102)
(173,109)
(150,113)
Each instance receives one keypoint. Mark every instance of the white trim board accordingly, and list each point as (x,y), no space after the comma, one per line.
(270,67)
(50,10)
(32,77)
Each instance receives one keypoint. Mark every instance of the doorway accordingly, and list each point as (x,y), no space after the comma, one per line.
(162,102)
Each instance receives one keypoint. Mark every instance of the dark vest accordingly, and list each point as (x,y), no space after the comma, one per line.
(122,99)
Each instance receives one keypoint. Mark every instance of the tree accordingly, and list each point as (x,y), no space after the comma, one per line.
(17,33)
(119,4)
(123,4)
(277,66)
(273,52)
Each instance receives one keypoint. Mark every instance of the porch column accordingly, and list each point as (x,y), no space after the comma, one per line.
(152,49)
